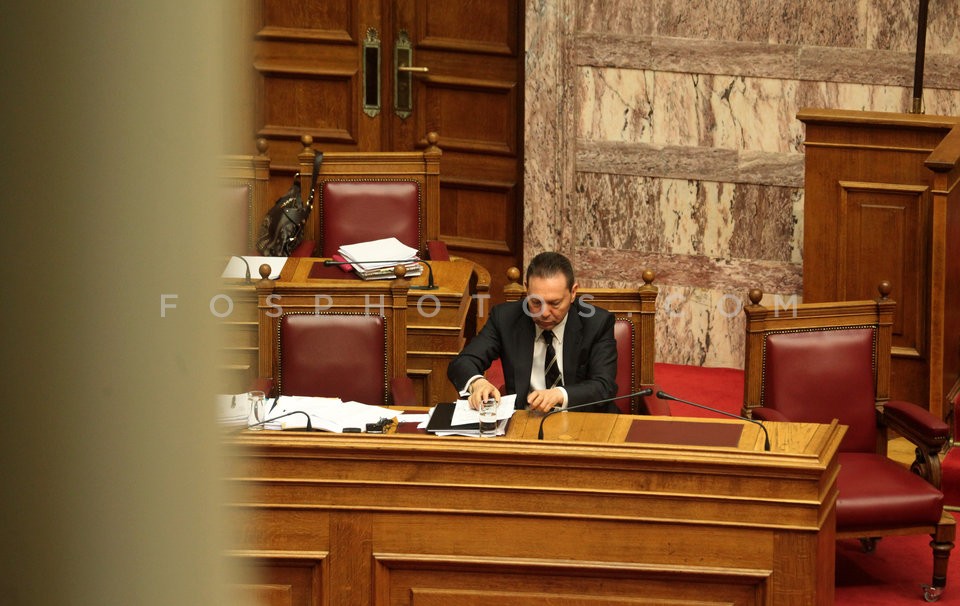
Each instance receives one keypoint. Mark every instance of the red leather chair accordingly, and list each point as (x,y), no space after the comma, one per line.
(363,196)
(356,337)
(360,211)
(634,311)
(823,361)
(342,355)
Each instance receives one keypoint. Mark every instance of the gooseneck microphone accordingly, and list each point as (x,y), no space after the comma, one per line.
(766,437)
(642,392)
(287,414)
(246,279)
(430,285)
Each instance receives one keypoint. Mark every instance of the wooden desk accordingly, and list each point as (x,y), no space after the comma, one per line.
(416,519)
(438,321)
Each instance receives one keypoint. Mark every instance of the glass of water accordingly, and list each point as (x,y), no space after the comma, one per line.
(258,402)
(488,418)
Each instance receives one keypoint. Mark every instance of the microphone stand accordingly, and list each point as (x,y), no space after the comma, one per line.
(766,437)
(292,412)
(246,279)
(430,285)
(641,393)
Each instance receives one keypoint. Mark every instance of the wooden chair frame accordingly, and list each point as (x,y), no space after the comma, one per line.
(388,298)
(762,321)
(252,172)
(387,365)
(421,166)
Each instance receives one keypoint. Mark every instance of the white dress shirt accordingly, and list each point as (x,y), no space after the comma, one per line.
(537,378)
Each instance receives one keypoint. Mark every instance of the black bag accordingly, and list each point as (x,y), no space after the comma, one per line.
(281,230)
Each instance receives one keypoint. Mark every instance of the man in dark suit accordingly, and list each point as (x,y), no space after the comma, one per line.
(556,350)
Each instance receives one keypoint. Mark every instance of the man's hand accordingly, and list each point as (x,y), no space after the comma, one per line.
(545,399)
(481,390)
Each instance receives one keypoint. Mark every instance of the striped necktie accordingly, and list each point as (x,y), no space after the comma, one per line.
(551,369)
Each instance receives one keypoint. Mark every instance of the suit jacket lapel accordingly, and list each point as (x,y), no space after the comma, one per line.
(523,342)
(572,335)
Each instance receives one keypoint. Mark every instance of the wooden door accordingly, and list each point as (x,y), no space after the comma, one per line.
(316,66)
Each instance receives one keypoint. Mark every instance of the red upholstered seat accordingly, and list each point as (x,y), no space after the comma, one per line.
(334,355)
(352,346)
(877,492)
(364,196)
(823,361)
(818,376)
(624,334)
(352,211)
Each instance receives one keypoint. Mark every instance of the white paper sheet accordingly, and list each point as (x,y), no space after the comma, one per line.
(327,414)
(387,252)
(236,269)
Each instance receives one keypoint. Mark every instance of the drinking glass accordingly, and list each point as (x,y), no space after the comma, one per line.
(488,418)
(257,401)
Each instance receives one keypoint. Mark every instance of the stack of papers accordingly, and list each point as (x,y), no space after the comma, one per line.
(232,410)
(327,414)
(376,259)
(465,421)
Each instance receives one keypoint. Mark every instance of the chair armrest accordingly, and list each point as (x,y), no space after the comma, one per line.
(925,431)
(916,424)
(264,384)
(305,249)
(652,405)
(402,393)
(769,414)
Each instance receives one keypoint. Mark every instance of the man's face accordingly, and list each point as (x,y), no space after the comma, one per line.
(549,300)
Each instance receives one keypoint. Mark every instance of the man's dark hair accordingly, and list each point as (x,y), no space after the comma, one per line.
(549,264)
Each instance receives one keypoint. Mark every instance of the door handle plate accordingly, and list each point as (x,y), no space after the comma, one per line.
(371,73)
(403,76)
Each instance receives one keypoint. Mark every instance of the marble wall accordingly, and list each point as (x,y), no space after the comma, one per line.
(662,134)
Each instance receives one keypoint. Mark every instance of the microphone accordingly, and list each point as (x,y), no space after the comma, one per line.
(292,412)
(430,285)
(766,437)
(246,279)
(642,392)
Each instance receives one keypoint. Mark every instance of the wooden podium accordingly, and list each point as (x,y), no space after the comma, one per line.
(594,514)
(882,202)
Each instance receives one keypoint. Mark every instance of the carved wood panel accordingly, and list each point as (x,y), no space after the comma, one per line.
(883,231)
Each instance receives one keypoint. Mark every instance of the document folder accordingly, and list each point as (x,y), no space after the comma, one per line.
(442,418)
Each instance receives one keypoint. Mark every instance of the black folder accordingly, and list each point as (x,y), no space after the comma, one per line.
(443,415)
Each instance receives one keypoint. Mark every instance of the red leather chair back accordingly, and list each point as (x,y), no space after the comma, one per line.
(333,355)
(359,211)
(821,375)
(624,334)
